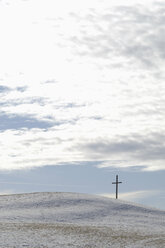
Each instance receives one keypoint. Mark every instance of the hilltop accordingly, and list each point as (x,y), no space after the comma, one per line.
(77,220)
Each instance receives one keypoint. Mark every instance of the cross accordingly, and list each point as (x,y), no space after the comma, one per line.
(117,182)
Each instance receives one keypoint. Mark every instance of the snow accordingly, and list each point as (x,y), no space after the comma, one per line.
(77,220)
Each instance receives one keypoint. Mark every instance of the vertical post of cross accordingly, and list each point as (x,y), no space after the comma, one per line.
(117,182)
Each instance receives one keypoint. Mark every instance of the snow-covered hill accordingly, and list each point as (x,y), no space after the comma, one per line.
(77,220)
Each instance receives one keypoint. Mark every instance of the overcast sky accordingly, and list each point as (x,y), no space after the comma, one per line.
(82,82)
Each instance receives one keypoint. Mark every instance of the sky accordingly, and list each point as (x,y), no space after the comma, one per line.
(82,97)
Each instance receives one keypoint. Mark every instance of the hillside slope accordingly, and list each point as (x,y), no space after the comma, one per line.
(77,220)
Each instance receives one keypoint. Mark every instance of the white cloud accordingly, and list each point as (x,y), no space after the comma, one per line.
(6,192)
(135,195)
(104,62)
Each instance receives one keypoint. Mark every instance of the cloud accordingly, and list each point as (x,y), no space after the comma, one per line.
(84,83)
(50,81)
(21,88)
(7,192)
(4,89)
(132,35)
(135,195)
(145,151)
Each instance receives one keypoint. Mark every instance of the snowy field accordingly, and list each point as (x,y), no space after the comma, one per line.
(77,220)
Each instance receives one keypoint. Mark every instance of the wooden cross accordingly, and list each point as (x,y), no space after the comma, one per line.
(117,182)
